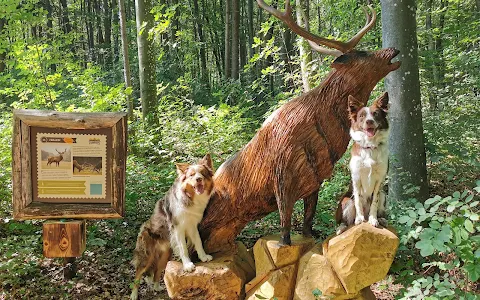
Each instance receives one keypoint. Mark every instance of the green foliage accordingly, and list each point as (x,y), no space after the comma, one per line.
(445,234)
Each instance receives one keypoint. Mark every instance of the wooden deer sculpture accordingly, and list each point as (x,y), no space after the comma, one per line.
(56,158)
(297,146)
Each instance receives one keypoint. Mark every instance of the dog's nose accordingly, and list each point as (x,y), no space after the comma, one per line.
(369,122)
(199,179)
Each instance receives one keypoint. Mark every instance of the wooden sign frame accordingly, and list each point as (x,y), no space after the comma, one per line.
(25,206)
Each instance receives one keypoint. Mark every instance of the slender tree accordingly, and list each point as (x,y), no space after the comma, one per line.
(407,163)
(228,39)
(126,60)
(3,52)
(235,38)
(305,53)
(146,59)
(201,39)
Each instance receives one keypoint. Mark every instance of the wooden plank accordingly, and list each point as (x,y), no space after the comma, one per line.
(26,165)
(18,205)
(39,210)
(55,119)
(119,136)
(64,239)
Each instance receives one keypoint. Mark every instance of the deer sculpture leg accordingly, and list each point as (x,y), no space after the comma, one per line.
(285,203)
(309,207)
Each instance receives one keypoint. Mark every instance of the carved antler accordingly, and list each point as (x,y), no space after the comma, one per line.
(314,40)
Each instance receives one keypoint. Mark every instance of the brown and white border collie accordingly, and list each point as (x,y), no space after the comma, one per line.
(368,164)
(173,222)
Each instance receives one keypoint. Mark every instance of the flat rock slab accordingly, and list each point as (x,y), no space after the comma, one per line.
(219,279)
(362,255)
(270,256)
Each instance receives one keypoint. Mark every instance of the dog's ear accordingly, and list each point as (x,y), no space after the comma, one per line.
(382,102)
(207,161)
(181,168)
(353,107)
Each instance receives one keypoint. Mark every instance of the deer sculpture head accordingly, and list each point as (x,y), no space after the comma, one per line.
(347,57)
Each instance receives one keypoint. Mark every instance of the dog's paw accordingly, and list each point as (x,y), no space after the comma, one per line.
(188,267)
(373,221)
(383,222)
(134,295)
(359,220)
(341,229)
(157,287)
(205,257)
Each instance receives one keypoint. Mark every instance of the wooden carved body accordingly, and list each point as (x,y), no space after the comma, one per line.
(292,153)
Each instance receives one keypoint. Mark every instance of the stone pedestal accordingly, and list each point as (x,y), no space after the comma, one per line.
(222,278)
(362,255)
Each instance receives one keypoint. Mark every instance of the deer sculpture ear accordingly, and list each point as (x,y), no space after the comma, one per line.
(382,102)
(353,105)
(207,161)
(181,168)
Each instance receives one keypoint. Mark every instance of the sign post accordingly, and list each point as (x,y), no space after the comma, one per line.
(68,166)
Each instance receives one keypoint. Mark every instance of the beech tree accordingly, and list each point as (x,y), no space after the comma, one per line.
(407,171)
(146,59)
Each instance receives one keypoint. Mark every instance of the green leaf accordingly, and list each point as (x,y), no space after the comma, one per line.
(435,225)
(431,200)
(456,194)
(426,247)
(469,226)
(474,204)
(451,208)
(474,217)
(473,271)
(477,253)
(317,293)
(469,198)
(412,214)
(403,219)
(260,296)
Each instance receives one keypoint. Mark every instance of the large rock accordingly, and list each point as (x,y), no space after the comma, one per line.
(362,255)
(270,256)
(316,272)
(277,284)
(223,278)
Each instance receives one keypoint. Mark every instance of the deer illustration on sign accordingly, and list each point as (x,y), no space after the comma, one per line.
(297,146)
(56,158)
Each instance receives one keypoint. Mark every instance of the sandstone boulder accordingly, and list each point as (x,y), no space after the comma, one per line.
(316,272)
(223,278)
(270,256)
(277,284)
(362,255)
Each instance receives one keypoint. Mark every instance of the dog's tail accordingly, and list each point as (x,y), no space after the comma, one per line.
(344,208)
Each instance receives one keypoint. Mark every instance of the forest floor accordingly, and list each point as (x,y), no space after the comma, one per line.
(104,270)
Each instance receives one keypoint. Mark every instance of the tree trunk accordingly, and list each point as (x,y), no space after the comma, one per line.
(115,24)
(429,61)
(90,32)
(146,60)
(305,53)
(3,54)
(107,25)
(228,40)
(407,164)
(251,51)
(235,38)
(64,17)
(439,62)
(201,39)
(126,60)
